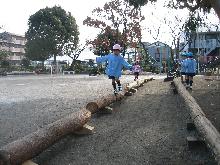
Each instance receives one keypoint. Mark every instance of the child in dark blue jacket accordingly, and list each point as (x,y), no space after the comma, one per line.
(190,69)
(183,67)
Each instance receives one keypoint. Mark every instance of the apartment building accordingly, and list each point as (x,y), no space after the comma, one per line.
(204,44)
(14,44)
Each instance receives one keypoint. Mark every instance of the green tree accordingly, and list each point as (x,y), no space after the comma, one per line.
(25,62)
(3,55)
(50,29)
(38,49)
(4,62)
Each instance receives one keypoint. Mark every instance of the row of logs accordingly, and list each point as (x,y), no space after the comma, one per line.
(203,125)
(101,103)
(26,148)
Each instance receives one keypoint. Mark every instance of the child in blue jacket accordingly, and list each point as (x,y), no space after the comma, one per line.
(115,65)
(183,66)
(190,70)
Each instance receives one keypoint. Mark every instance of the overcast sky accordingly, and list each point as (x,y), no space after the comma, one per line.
(14,15)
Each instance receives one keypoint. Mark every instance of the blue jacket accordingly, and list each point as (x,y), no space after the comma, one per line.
(115,64)
(183,66)
(191,65)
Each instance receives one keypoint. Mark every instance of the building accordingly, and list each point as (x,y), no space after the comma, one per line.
(14,44)
(159,55)
(206,45)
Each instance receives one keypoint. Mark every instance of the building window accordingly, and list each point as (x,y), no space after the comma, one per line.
(211,36)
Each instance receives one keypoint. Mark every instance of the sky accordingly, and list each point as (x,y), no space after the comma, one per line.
(14,15)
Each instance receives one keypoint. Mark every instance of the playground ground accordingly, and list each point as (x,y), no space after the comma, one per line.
(146,128)
(207,94)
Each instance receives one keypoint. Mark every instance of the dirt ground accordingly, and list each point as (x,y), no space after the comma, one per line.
(146,128)
(207,95)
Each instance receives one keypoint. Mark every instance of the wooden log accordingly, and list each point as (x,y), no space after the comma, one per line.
(134,85)
(19,151)
(194,142)
(141,82)
(148,79)
(168,79)
(85,130)
(203,125)
(29,162)
(132,90)
(128,93)
(106,110)
(103,102)
(190,126)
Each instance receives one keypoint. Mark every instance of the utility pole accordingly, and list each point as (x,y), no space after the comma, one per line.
(198,44)
(125,36)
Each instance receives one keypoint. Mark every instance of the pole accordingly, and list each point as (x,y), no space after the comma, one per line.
(198,52)
(51,70)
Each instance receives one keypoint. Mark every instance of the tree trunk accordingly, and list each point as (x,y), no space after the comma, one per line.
(73,64)
(203,125)
(55,64)
(33,144)
(42,64)
(216,6)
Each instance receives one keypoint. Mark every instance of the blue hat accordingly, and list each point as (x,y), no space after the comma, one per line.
(189,54)
(183,54)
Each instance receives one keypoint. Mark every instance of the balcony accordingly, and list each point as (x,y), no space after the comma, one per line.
(207,44)
(17,50)
(15,58)
(4,48)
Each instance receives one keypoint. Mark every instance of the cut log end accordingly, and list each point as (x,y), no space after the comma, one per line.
(133,90)
(92,107)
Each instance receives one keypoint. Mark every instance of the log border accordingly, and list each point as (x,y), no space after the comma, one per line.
(205,128)
(31,145)
(101,103)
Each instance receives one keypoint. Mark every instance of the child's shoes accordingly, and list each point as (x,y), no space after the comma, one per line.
(119,88)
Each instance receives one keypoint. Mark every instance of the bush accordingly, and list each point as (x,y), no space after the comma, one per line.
(5,63)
